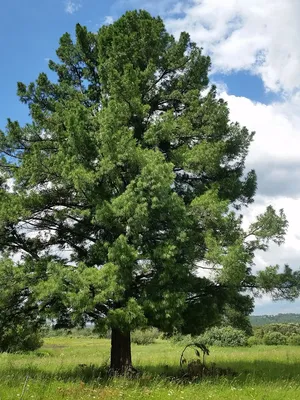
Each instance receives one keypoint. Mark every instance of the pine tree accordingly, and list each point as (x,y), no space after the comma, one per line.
(20,317)
(127,183)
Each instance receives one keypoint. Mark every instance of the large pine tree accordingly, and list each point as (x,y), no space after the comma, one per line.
(127,184)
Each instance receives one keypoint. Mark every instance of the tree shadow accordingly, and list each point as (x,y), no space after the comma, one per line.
(244,371)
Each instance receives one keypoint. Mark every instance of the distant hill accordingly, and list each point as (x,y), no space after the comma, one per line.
(259,320)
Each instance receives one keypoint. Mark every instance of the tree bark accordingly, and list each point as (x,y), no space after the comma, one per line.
(120,356)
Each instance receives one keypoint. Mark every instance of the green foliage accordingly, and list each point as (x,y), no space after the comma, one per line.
(20,338)
(181,339)
(223,337)
(199,349)
(236,314)
(294,340)
(277,334)
(145,336)
(132,165)
(254,340)
(285,329)
(73,333)
(20,322)
(277,283)
(275,338)
(259,320)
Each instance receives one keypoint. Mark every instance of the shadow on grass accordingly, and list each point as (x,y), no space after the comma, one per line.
(257,371)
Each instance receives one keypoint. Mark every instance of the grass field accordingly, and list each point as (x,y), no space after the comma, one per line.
(54,372)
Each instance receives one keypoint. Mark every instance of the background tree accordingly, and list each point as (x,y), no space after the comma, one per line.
(20,319)
(128,180)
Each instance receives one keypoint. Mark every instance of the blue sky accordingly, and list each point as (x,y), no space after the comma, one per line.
(256,70)
(29,36)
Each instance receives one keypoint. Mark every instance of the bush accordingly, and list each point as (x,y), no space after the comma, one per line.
(20,338)
(275,338)
(83,332)
(73,333)
(254,341)
(145,336)
(224,337)
(294,340)
(20,322)
(182,339)
(279,334)
(287,330)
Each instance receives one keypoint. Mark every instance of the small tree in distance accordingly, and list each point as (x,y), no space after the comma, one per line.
(132,166)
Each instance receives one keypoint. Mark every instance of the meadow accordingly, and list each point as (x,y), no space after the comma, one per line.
(74,368)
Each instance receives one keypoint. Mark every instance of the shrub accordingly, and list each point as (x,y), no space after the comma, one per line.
(287,330)
(254,341)
(277,334)
(275,338)
(74,332)
(182,339)
(84,332)
(20,322)
(20,338)
(224,337)
(54,332)
(294,340)
(145,336)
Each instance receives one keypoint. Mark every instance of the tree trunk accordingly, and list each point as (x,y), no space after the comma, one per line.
(120,356)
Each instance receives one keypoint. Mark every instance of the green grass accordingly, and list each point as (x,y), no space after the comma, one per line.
(54,372)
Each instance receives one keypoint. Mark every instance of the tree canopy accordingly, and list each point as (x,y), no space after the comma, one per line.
(129,181)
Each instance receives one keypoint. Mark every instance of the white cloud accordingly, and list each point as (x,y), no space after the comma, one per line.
(275,156)
(274,152)
(71,6)
(256,35)
(108,20)
(289,252)
(277,137)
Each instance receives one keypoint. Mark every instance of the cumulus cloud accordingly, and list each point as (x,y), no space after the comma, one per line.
(274,153)
(288,253)
(261,36)
(71,6)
